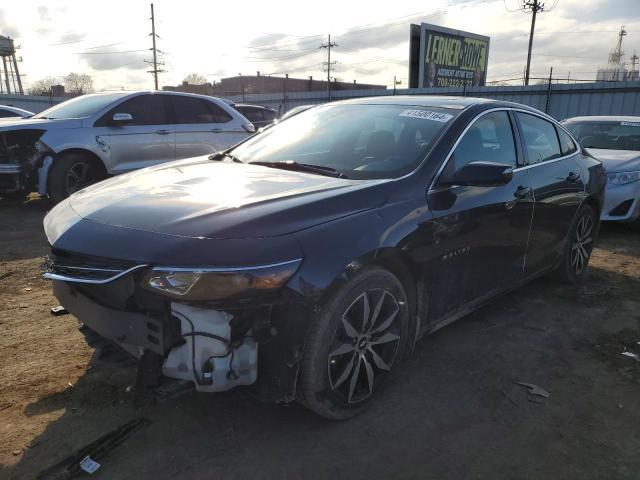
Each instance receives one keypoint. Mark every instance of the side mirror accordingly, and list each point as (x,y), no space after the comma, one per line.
(121,118)
(482,174)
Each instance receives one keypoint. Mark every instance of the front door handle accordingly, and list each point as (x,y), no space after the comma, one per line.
(522,192)
(163,132)
(573,177)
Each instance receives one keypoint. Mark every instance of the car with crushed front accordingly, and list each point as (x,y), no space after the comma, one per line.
(308,260)
(615,141)
(91,137)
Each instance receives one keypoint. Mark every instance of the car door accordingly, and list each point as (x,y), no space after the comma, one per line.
(557,185)
(146,140)
(480,231)
(202,127)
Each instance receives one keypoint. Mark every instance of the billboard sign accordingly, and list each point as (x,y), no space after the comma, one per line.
(448,58)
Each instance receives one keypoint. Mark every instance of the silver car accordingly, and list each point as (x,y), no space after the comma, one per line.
(615,141)
(81,141)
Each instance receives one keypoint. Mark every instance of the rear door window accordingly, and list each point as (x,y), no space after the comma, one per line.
(190,110)
(539,137)
(489,139)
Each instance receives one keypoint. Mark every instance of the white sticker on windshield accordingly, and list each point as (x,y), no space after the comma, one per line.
(630,124)
(426,115)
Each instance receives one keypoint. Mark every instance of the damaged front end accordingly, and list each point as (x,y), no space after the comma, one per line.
(199,325)
(21,155)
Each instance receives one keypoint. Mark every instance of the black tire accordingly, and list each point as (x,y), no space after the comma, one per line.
(577,252)
(72,172)
(345,365)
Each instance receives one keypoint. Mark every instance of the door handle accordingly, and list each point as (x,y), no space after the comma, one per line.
(163,132)
(216,129)
(522,192)
(573,177)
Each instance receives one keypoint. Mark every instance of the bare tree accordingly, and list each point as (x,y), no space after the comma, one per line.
(43,86)
(78,84)
(195,79)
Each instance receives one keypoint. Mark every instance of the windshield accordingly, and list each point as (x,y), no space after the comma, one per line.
(607,135)
(80,107)
(359,141)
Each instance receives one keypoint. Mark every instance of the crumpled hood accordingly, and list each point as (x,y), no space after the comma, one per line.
(617,160)
(39,123)
(202,198)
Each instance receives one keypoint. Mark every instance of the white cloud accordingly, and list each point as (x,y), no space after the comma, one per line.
(226,38)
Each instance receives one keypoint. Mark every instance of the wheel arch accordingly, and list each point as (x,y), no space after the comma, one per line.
(399,263)
(70,151)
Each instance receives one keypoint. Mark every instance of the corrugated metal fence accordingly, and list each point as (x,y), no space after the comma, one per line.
(559,100)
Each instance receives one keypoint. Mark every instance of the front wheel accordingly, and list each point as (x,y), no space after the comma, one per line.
(579,245)
(70,173)
(354,345)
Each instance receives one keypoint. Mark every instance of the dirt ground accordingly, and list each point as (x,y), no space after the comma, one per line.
(455,410)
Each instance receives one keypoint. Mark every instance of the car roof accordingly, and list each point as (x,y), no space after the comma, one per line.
(438,101)
(603,118)
(253,106)
(156,92)
(16,109)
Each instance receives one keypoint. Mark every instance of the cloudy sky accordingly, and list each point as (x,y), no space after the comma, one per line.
(110,40)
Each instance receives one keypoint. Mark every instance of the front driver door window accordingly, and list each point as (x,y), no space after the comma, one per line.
(147,140)
(482,231)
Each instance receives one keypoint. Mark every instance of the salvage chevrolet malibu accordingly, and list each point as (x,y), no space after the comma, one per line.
(307,260)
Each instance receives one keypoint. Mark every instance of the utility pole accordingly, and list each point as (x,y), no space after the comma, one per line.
(535,6)
(396,82)
(328,46)
(155,62)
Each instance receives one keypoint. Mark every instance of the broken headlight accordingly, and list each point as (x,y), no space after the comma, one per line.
(202,284)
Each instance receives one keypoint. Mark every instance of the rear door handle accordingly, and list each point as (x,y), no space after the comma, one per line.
(522,192)
(163,132)
(573,177)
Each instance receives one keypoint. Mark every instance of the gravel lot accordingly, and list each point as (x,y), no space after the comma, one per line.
(455,410)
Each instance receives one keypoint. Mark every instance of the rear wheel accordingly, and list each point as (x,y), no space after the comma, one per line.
(72,172)
(579,245)
(353,348)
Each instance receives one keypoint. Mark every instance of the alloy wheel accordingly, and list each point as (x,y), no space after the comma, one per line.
(582,244)
(365,345)
(77,177)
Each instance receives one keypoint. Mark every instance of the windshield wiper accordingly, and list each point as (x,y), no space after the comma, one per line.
(221,155)
(303,167)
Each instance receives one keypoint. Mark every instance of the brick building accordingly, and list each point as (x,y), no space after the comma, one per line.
(267,84)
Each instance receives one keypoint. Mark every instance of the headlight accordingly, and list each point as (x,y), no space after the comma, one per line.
(201,284)
(622,178)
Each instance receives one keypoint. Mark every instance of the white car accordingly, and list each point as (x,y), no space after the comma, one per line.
(615,141)
(7,111)
(81,141)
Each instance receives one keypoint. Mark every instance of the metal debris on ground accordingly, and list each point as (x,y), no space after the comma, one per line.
(535,389)
(88,456)
(59,310)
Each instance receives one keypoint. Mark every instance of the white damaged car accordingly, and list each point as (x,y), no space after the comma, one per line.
(86,139)
(615,141)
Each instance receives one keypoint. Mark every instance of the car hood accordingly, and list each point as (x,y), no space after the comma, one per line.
(202,198)
(38,123)
(617,160)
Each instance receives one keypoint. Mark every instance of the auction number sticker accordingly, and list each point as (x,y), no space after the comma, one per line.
(426,115)
(630,124)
